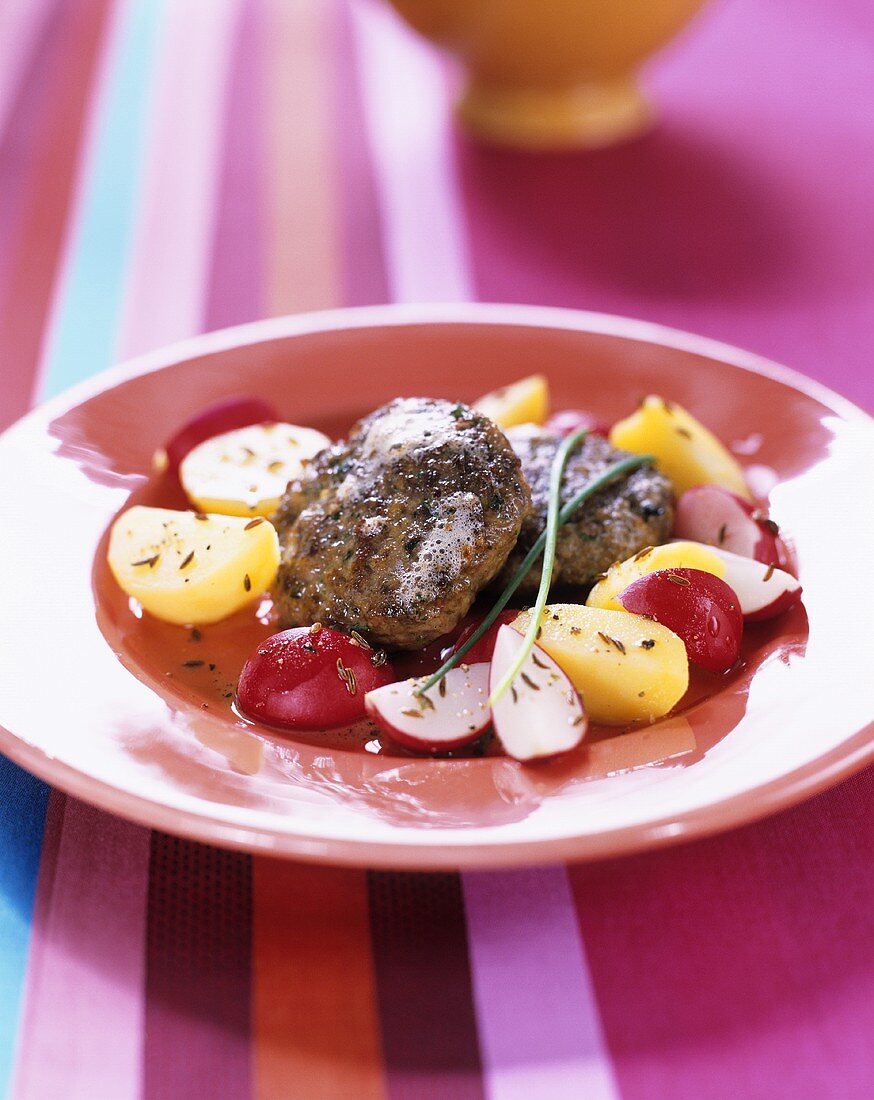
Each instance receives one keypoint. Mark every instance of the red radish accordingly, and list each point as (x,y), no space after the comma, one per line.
(698,607)
(483,649)
(713,515)
(308,678)
(541,714)
(763,591)
(425,661)
(222,416)
(453,713)
(572,420)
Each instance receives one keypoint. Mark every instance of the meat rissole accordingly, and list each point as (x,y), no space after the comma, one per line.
(624,517)
(395,531)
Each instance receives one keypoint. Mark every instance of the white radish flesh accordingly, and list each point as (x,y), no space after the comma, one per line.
(453,713)
(542,713)
(763,591)
(713,515)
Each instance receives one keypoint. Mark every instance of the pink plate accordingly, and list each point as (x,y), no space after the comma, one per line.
(88,704)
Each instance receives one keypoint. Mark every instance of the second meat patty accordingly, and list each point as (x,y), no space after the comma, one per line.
(633,512)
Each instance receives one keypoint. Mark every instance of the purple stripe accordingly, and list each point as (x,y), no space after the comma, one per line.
(538,1022)
(741,966)
(199,972)
(21,24)
(429,1037)
(236,286)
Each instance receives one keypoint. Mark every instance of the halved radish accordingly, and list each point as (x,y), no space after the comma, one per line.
(763,591)
(482,650)
(453,713)
(569,421)
(542,713)
(222,416)
(718,517)
(698,607)
(310,678)
(245,472)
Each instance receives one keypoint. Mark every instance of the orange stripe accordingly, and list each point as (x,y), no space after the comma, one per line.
(302,250)
(314,1005)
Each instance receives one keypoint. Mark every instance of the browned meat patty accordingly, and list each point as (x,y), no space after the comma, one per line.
(395,531)
(624,517)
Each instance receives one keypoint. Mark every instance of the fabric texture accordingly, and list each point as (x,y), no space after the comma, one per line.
(168,168)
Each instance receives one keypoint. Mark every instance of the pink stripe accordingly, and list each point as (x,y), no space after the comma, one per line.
(82,1017)
(172,246)
(540,1034)
(741,966)
(104,69)
(364,277)
(408,124)
(21,23)
(736,217)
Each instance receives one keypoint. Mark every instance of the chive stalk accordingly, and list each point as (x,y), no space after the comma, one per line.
(550,539)
(623,466)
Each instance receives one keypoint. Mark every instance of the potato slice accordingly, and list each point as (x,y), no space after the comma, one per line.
(244,472)
(686,451)
(626,668)
(673,555)
(522,402)
(185,567)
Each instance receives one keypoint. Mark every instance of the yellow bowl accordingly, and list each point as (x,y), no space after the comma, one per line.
(551,73)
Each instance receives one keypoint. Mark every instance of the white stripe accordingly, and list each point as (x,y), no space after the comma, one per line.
(409,129)
(539,1028)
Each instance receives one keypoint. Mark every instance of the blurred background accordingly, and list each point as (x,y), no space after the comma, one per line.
(167,167)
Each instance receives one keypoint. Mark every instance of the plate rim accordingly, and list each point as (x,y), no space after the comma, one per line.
(777,794)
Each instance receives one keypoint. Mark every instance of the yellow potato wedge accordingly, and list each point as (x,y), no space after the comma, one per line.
(189,568)
(685,450)
(673,555)
(522,402)
(626,668)
(244,472)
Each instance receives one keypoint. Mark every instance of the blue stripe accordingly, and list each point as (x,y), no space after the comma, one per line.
(23,801)
(81,342)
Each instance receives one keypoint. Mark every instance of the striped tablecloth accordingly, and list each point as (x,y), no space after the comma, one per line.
(168,167)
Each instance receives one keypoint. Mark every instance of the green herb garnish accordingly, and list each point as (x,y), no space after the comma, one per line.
(550,539)
(625,465)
